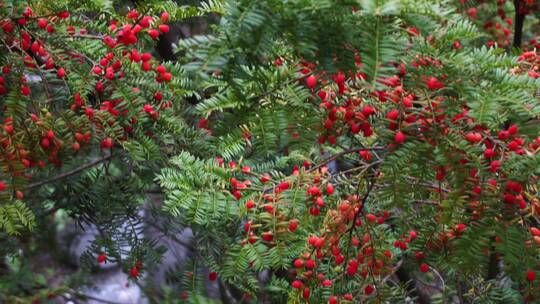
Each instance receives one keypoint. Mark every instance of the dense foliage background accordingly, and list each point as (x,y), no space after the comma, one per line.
(270,151)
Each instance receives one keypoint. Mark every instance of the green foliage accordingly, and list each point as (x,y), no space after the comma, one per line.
(239,137)
(16,216)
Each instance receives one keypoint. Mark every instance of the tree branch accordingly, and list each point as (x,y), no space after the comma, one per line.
(69,173)
(519,20)
(337,155)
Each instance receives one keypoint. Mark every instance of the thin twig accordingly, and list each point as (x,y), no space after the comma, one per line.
(69,173)
(395,268)
(337,155)
(171,236)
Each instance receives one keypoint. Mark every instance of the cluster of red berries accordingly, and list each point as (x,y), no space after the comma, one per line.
(500,26)
(33,38)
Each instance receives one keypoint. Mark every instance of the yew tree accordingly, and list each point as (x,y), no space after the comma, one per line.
(323,151)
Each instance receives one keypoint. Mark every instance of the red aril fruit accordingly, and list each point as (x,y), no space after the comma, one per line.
(134,272)
(369,289)
(153,33)
(424,267)
(42,23)
(76,146)
(296,284)
(164,17)
(60,73)
(531,276)
(311,82)
(164,28)
(399,137)
(107,143)
(473,137)
(250,204)
(293,225)
(101,258)
(306,293)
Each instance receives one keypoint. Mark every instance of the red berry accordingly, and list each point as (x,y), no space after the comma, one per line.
(366,155)
(212,276)
(42,23)
(283,186)
(473,137)
(297,284)
(267,236)
(166,76)
(60,73)
(26,163)
(153,33)
(352,268)
(101,258)
(424,267)
(293,225)
(495,165)
(298,263)
(368,110)
(164,28)
(399,137)
(25,90)
(393,114)
(306,293)
(97,70)
(489,153)
(8,129)
(460,228)
(513,129)
(332,300)
(329,189)
(45,143)
(161,69)
(63,15)
(2,186)
(89,112)
(75,146)
(250,204)
(472,12)
(369,289)
(327,283)
(265,178)
(311,81)
(27,12)
(164,17)
(35,47)
(434,84)
(531,275)
(314,191)
(134,272)
(146,57)
(107,143)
